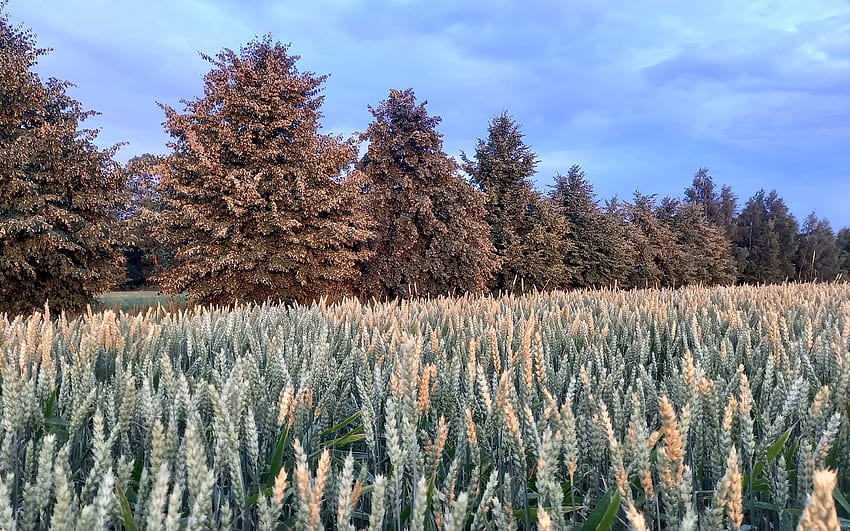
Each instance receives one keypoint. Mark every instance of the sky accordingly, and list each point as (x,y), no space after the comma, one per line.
(640,94)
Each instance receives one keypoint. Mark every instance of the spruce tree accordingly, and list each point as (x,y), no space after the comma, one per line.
(530,237)
(598,254)
(538,259)
(260,206)
(657,256)
(718,207)
(767,237)
(431,237)
(704,254)
(60,240)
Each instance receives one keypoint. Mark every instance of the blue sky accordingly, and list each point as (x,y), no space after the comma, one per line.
(641,94)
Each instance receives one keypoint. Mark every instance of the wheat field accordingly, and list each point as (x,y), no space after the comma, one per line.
(658,409)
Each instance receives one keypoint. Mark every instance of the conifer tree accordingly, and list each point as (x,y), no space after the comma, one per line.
(598,254)
(703,254)
(657,256)
(60,240)
(718,207)
(817,257)
(767,237)
(537,260)
(260,205)
(431,237)
(530,237)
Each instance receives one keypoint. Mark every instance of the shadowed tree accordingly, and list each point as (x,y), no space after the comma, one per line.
(431,237)
(598,254)
(147,255)
(704,254)
(657,256)
(767,235)
(718,207)
(60,195)
(537,261)
(530,237)
(843,243)
(817,257)
(260,206)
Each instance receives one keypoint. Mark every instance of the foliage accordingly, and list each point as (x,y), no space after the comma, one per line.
(529,236)
(148,254)
(818,253)
(709,408)
(843,244)
(767,237)
(260,206)
(59,193)
(719,207)
(656,255)
(599,254)
(704,254)
(430,236)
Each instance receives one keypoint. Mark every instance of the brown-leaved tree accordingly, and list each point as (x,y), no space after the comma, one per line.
(261,206)
(431,237)
(59,193)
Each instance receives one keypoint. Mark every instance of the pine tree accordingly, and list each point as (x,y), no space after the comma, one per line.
(60,196)
(598,253)
(817,257)
(767,237)
(260,205)
(431,237)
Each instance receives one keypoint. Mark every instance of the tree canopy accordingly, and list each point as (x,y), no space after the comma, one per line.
(430,233)
(261,203)
(60,195)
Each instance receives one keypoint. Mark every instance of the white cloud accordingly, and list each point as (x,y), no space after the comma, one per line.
(636,92)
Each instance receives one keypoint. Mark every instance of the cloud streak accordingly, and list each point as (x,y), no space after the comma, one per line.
(640,94)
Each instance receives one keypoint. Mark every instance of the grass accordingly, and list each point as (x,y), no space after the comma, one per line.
(137,301)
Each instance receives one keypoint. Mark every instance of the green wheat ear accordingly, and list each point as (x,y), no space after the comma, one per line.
(558,410)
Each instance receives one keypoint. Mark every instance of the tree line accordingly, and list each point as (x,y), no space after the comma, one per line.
(253,202)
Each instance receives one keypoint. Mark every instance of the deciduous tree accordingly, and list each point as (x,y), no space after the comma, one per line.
(261,205)
(147,254)
(60,240)
(843,243)
(817,257)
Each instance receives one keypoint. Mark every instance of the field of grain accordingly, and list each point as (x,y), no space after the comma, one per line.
(658,409)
